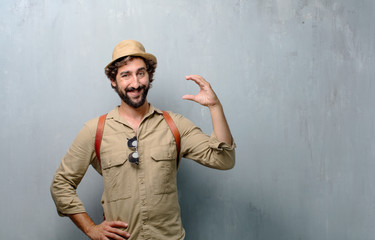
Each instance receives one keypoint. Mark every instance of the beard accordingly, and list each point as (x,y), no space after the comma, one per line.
(124,96)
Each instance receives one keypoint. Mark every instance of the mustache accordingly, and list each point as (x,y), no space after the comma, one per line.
(135,89)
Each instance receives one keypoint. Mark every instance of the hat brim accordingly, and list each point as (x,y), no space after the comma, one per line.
(147,56)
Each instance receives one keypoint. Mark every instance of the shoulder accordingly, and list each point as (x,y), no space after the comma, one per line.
(183,123)
(92,124)
(156,111)
(175,116)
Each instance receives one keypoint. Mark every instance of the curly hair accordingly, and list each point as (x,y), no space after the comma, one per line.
(111,71)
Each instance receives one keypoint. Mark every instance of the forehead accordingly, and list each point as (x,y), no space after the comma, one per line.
(133,65)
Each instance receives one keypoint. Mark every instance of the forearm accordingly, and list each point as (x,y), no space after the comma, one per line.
(220,124)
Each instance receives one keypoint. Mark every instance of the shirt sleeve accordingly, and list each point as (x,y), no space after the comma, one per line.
(202,148)
(71,171)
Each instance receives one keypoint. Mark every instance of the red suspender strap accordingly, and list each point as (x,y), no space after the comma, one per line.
(99,136)
(175,132)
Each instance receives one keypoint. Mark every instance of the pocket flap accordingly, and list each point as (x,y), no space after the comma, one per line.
(163,154)
(113,160)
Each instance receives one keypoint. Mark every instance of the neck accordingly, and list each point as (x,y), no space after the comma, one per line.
(134,115)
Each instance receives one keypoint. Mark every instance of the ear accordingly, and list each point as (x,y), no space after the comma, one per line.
(113,83)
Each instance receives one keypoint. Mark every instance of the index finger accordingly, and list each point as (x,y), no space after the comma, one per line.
(118,224)
(197,79)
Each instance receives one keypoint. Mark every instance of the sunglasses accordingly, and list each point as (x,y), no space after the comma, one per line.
(133,144)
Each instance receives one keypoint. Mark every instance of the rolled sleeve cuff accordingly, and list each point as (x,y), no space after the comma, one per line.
(214,143)
(68,207)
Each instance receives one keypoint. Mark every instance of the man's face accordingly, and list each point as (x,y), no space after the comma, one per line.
(132,83)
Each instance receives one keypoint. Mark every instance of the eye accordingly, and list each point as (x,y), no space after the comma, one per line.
(125,75)
(142,73)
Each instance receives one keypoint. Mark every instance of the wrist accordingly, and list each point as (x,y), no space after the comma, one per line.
(216,106)
(89,229)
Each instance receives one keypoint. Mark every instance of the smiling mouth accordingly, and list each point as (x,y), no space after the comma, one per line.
(136,90)
(135,93)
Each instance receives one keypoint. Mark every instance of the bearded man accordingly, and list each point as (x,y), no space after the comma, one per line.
(138,154)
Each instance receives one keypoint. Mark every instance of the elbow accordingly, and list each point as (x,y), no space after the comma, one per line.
(233,163)
(231,160)
(54,191)
(230,164)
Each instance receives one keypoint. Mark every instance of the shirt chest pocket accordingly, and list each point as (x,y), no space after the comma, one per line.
(164,169)
(116,176)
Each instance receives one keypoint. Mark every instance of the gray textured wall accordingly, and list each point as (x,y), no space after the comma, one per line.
(295,78)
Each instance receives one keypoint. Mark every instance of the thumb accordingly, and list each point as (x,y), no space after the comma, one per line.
(189,97)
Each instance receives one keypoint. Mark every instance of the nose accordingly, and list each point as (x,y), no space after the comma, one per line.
(134,81)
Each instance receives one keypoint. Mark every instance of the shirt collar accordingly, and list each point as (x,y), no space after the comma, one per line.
(115,115)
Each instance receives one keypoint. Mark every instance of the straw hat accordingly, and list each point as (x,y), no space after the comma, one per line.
(130,48)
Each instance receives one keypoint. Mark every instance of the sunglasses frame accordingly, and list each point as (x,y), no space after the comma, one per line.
(133,144)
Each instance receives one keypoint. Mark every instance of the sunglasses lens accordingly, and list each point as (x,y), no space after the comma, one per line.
(132,143)
(133,157)
(134,154)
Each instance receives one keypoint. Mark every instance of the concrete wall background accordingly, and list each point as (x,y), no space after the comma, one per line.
(295,78)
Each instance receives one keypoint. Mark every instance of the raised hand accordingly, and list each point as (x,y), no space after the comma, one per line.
(206,95)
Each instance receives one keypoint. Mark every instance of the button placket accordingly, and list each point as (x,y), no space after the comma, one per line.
(143,202)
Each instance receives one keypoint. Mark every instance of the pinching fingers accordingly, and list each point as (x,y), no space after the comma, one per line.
(197,79)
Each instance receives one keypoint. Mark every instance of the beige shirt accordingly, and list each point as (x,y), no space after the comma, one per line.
(145,195)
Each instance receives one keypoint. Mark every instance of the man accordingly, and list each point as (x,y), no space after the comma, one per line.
(138,155)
